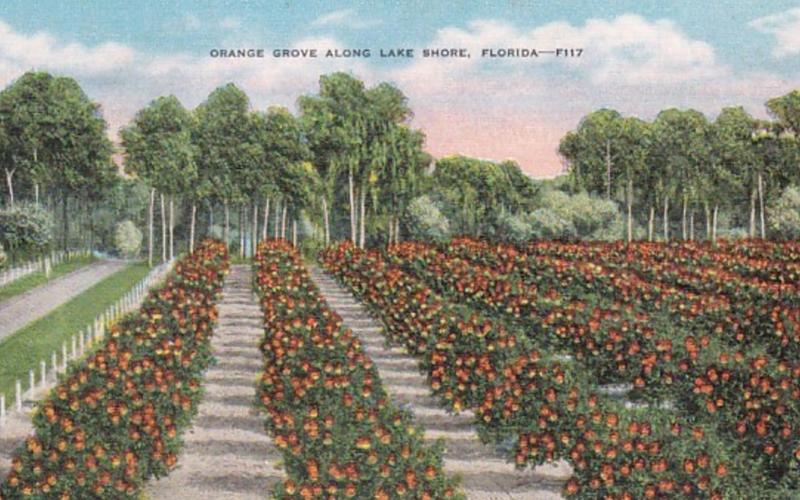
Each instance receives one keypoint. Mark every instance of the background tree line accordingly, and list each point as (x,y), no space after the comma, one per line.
(689,171)
(349,165)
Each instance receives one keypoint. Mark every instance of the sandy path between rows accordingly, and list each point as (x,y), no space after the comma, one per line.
(227,453)
(485,474)
(20,310)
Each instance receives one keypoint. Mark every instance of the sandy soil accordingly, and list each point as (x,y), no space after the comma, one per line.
(227,454)
(485,473)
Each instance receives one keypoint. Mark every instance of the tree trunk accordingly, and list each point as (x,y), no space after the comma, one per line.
(163,230)
(210,217)
(608,169)
(150,227)
(683,219)
(277,219)
(283,220)
(226,231)
(707,210)
(761,205)
(390,226)
(191,228)
(36,193)
(171,227)
(352,208)
(294,232)
(666,218)
(325,221)
(691,224)
(714,225)
(91,228)
(10,184)
(753,213)
(242,226)
(255,229)
(397,230)
(362,217)
(65,217)
(651,222)
(266,220)
(630,209)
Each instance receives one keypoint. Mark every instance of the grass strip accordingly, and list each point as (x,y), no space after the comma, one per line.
(23,350)
(39,278)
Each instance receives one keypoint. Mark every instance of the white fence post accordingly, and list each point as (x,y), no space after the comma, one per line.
(18,394)
(94,332)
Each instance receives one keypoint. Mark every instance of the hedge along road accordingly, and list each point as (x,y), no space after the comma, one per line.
(20,310)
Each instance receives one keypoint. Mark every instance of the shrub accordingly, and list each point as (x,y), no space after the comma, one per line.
(426,220)
(592,218)
(514,227)
(547,224)
(784,214)
(127,239)
(25,229)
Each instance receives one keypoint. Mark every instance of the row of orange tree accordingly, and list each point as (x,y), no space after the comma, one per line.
(739,319)
(544,406)
(690,266)
(115,419)
(751,398)
(770,261)
(325,406)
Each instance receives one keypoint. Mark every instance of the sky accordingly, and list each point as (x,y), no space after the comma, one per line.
(639,57)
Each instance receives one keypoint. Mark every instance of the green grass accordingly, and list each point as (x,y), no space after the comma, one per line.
(23,350)
(38,278)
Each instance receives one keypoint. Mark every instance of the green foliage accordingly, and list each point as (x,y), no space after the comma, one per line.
(784,214)
(787,109)
(225,152)
(593,218)
(513,227)
(25,229)
(545,223)
(426,221)
(127,239)
(159,148)
(563,216)
(361,134)
(127,200)
(280,167)
(474,192)
(55,135)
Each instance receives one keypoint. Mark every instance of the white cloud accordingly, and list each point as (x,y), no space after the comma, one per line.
(230,23)
(19,52)
(192,22)
(345,17)
(785,27)
(626,50)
